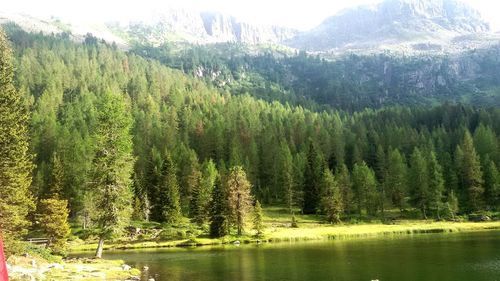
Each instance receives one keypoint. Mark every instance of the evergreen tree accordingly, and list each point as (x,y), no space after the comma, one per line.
(53,211)
(112,166)
(240,199)
(286,176)
(15,159)
(202,195)
(396,180)
(344,182)
(492,185)
(436,184)
(452,205)
(312,180)
(419,181)
(332,197)
(365,188)
(258,225)
(470,173)
(381,173)
(54,223)
(219,211)
(169,192)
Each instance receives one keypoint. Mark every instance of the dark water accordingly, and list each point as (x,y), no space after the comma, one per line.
(454,257)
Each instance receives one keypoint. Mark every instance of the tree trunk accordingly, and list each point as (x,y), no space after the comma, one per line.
(100,245)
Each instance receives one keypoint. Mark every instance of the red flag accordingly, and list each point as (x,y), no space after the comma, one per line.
(3,267)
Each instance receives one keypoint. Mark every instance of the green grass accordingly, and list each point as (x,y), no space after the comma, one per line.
(278,228)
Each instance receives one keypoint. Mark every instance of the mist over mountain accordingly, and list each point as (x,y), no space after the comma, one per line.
(397,25)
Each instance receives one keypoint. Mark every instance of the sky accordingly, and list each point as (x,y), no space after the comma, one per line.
(301,14)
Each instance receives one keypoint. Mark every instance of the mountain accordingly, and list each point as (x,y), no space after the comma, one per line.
(170,25)
(183,25)
(420,24)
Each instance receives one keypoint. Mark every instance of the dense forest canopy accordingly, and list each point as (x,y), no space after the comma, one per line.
(187,134)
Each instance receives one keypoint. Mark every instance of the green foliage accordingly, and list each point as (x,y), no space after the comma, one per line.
(312,179)
(258,225)
(239,197)
(53,220)
(283,147)
(15,159)
(331,200)
(436,184)
(470,173)
(365,188)
(419,181)
(219,222)
(200,203)
(112,165)
(169,197)
(397,178)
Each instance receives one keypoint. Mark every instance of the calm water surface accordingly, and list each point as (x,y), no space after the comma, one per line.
(454,257)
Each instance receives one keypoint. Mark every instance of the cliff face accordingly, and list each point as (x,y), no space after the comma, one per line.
(208,27)
(223,28)
(393,22)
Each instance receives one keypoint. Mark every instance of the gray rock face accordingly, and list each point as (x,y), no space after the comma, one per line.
(209,27)
(392,22)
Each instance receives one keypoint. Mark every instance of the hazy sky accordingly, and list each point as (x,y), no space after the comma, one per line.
(302,14)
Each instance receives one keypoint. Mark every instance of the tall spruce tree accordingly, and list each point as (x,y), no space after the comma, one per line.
(396,180)
(15,159)
(419,181)
(220,210)
(492,185)
(240,198)
(258,225)
(365,188)
(112,166)
(331,200)
(53,210)
(436,184)
(344,182)
(200,204)
(312,179)
(169,192)
(470,173)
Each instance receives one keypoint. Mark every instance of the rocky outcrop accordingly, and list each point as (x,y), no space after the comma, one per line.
(206,27)
(223,28)
(393,22)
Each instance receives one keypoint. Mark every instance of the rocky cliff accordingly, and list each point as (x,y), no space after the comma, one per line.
(206,27)
(393,22)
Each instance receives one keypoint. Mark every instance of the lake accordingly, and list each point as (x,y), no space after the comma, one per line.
(454,257)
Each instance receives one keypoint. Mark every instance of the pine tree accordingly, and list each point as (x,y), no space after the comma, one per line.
(312,180)
(332,197)
(54,223)
(240,199)
(492,185)
(345,185)
(436,184)
(381,173)
(200,203)
(53,211)
(112,166)
(15,159)
(470,173)
(286,176)
(219,211)
(169,192)
(419,181)
(258,225)
(365,188)
(452,205)
(396,180)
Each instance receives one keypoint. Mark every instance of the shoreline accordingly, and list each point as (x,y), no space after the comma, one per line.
(315,233)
